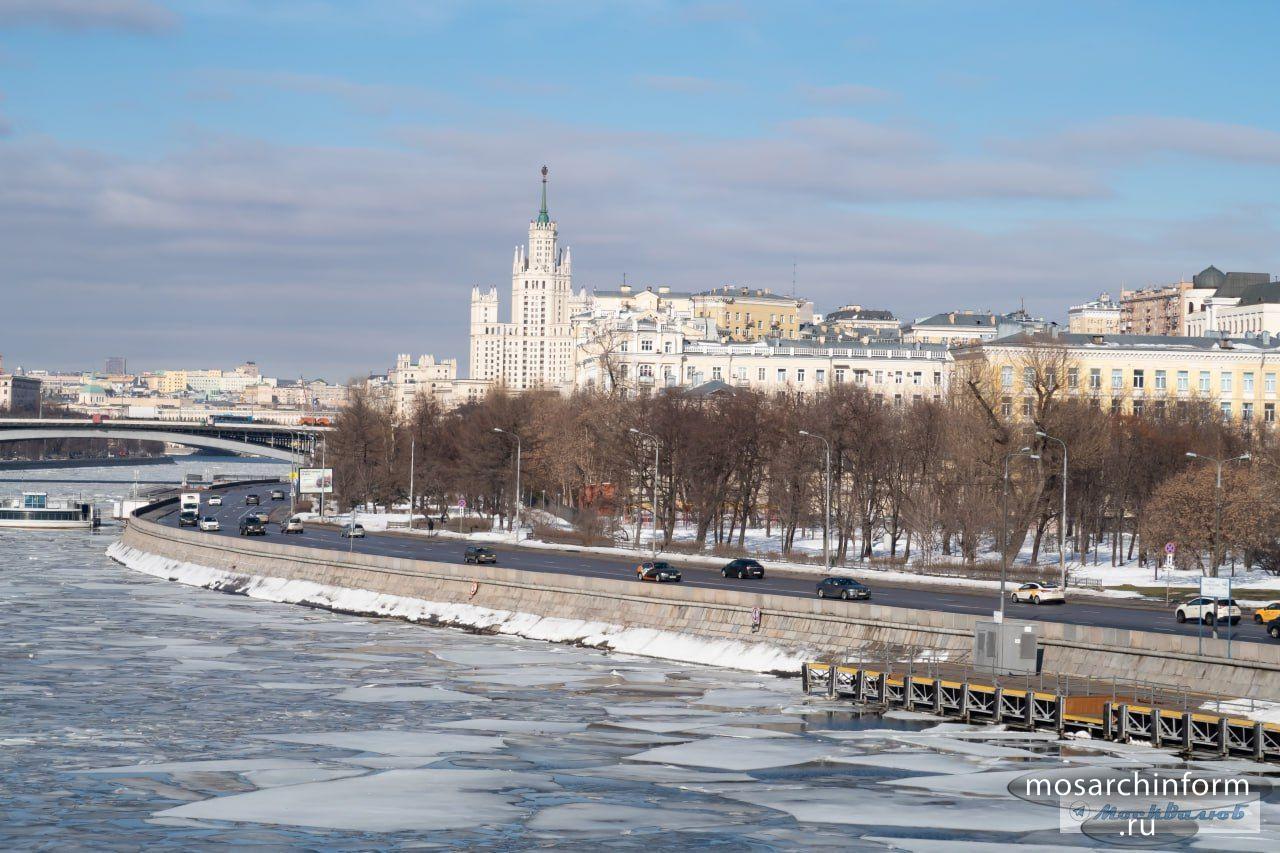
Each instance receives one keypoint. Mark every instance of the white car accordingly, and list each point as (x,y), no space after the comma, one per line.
(1202,610)
(215,500)
(353,532)
(1039,593)
(209,524)
(292,525)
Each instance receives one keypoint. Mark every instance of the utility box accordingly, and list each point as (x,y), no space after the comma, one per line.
(1006,648)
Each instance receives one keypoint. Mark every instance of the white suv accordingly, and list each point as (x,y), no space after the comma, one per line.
(1202,610)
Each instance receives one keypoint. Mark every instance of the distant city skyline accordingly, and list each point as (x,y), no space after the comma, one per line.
(315,187)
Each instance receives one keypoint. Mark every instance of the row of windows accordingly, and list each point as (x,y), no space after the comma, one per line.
(1159,380)
(1139,407)
(783,374)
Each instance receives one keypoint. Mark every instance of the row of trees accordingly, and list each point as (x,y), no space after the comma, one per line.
(925,478)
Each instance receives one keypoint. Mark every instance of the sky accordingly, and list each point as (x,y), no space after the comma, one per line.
(316,185)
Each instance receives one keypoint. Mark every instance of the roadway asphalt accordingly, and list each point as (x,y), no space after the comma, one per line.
(1083,611)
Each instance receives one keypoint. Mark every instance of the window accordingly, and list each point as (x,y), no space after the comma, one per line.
(622,371)
(666,346)
(821,376)
(1269,412)
(1226,408)
(668,372)
(760,374)
(839,375)
(1162,380)
(879,377)
(1095,378)
(1116,404)
(1246,411)
(1204,382)
(782,374)
(897,377)
(937,378)
(916,378)
(646,345)
(800,374)
(1184,380)
(1029,376)
(688,372)
(1006,377)
(1117,379)
(623,347)
(1247,382)
(1139,379)
(1073,377)
(646,371)
(1224,382)
(1138,406)
(1269,383)
(1026,407)
(1006,406)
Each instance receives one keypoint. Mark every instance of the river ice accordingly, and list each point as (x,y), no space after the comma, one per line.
(139,713)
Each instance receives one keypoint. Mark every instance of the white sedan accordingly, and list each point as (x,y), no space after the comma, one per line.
(215,500)
(1039,593)
(209,524)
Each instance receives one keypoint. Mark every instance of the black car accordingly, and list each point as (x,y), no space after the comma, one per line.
(251,525)
(657,572)
(743,568)
(846,588)
(1273,628)
(251,500)
(188,518)
(480,554)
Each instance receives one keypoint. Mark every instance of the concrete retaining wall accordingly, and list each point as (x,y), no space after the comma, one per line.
(830,627)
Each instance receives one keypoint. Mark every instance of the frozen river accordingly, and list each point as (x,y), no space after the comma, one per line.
(138,713)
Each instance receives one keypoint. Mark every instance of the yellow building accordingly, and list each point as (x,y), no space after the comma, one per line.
(746,314)
(1130,374)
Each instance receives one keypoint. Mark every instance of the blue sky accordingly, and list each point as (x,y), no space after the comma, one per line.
(317,184)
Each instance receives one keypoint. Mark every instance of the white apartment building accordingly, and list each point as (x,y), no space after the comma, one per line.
(534,349)
(426,376)
(657,356)
(1256,310)
(959,328)
(1101,316)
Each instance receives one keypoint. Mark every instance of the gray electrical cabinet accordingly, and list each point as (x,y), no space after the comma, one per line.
(1006,648)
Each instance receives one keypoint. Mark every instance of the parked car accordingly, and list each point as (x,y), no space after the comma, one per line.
(353,531)
(292,525)
(1039,593)
(1202,610)
(743,568)
(215,500)
(251,500)
(845,588)
(1273,628)
(658,572)
(479,554)
(1269,613)
(188,518)
(251,525)
(277,494)
(209,524)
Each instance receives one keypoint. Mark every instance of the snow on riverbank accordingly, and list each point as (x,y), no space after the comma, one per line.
(669,645)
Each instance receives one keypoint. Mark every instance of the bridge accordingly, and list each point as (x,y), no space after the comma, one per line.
(276,441)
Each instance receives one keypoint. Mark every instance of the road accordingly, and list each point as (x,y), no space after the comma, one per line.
(1096,612)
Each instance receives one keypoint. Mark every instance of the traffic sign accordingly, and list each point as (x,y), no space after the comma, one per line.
(1215,587)
(462,503)
(1170,548)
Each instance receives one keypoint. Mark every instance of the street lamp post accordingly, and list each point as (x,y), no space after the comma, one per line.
(1062,519)
(413,439)
(1217,519)
(517,438)
(654,506)
(1004,529)
(826,505)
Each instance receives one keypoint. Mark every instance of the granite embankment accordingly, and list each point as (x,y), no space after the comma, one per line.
(652,619)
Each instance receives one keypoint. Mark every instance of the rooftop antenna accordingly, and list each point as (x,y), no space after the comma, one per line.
(793,276)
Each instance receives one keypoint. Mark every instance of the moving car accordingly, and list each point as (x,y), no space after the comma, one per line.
(251,500)
(844,588)
(215,500)
(1273,628)
(1039,593)
(251,525)
(292,525)
(353,531)
(209,524)
(1202,610)
(277,494)
(743,568)
(1269,613)
(658,572)
(188,518)
(479,554)
(262,516)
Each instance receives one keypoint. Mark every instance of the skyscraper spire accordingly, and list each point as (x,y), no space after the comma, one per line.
(543,217)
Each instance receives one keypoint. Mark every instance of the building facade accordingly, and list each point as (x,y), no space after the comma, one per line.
(534,349)
(1132,374)
(1101,316)
(959,328)
(426,376)
(19,393)
(749,314)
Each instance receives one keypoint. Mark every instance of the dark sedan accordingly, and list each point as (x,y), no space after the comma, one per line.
(480,554)
(1273,628)
(658,572)
(743,568)
(251,525)
(845,588)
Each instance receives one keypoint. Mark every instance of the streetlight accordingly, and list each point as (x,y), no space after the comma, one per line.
(1062,519)
(1217,524)
(654,439)
(1004,530)
(826,512)
(412,445)
(517,438)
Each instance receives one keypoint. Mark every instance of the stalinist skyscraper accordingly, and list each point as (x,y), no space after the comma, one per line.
(534,349)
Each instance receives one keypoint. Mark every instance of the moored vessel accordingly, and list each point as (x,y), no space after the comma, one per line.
(35,511)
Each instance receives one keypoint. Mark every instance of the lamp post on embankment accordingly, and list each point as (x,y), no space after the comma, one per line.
(517,511)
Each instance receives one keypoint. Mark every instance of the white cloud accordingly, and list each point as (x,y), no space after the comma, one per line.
(1135,138)
(143,16)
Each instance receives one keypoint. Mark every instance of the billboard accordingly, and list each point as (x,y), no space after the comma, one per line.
(315,481)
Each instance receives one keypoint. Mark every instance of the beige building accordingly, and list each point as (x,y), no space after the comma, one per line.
(747,314)
(426,376)
(1132,374)
(19,393)
(1101,316)
(959,328)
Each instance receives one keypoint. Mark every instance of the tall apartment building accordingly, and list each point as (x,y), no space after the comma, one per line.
(534,349)
(116,365)
(1101,316)
(19,393)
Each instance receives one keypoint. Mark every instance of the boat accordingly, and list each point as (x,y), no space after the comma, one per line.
(35,511)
